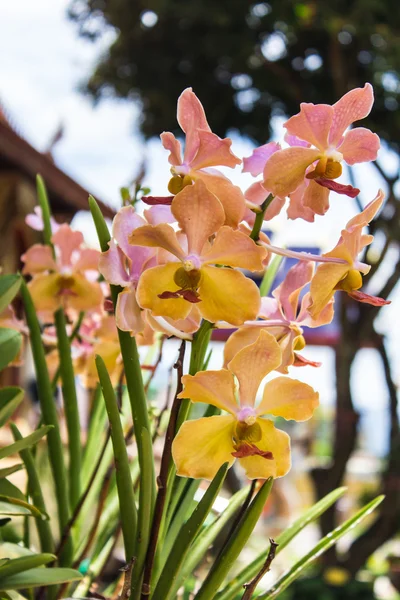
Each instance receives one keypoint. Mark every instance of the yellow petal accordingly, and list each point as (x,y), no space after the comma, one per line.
(272,440)
(84,294)
(253,363)
(288,398)
(239,339)
(199,214)
(211,387)
(202,446)
(155,281)
(157,236)
(235,249)
(45,292)
(227,295)
(230,196)
(326,277)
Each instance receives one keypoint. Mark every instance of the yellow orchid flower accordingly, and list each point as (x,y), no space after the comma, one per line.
(203,445)
(220,292)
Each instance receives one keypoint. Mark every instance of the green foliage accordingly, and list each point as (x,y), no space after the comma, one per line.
(247,61)
(10,344)
(316,588)
(9,286)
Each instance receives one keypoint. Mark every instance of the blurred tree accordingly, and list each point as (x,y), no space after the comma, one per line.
(249,62)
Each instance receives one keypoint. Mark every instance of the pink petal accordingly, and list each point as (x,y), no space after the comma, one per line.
(353,106)
(289,290)
(302,361)
(312,124)
(367,299)
(285,170)
(339,188)
(270,309)
(324,318)
(66,242)
(191,118)
(88,260)
(213,152)
(126,221)
(170,143)
(316,197)
(293,140)
(37,259)
(359,145)
(159,214)
(256,194)
(128,315)
(366,216)
(255,163)
(112,265)
(296,208)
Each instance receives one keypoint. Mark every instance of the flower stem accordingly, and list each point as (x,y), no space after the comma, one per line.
(255,232)
(70,407)
(49,413)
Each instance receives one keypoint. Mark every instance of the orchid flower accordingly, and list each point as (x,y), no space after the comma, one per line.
(346,277)
(203,445)
(283,316)
(203,151)
(122,265)
(192,277)
(323,128)
(63,280)
(35,220)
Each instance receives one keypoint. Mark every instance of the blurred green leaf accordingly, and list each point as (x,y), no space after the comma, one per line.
(24,563)
(26,442)
(322,546)
(10,344)
(9,286)
(10,398)
(9,470)
(39,577)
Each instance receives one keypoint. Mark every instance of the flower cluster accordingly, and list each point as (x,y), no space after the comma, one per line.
(192,257)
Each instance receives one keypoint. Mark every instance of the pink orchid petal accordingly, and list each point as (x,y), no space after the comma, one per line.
(270,309)
(37,259)
(112,265)
(88,260)
(191,118)
(213,152)
(128,315)
(285,170)
(66,241)
(289,290)
(366,216)
(293,140)
(170,143)
(368,299)
(312,124)
(158,214)
(296,208)
(156,200)
(353,106)
(302,361)
(257,193)
(255,163)
(199,214)
(126,221)
(339,188)
(316,197)
(35,220)
(324,318)
(359,145)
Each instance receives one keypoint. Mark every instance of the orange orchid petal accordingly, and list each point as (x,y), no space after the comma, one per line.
(275,441)
(83,294)
(37,259)
(326,277)
(312,124)
(50,292)
(211,387)
(288,398)
(359,145)
(235,249)
(191,118)
(213,152)
(369,212)
(316,198)
(202,446)
(170,143)
(157,236)
(155,281)
(227,295)
(230,196)
(239,339)
(351,107)
(285,170)
(44,290)
(199,214)
(66,241)
(253,363)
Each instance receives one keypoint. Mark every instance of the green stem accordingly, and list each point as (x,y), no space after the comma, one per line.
(124,481)
(35,491)
(255,233)
(71,338)
(70,407)
(49,413)
(44,205)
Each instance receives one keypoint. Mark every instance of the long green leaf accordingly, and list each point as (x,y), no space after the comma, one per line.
(10,344)
(10,550)
(17,565)
(166,584)
(322,546)
(10,399)
(235,545)
(45,207)
(6,508)
(35,512)
(26,442)
(10,470)
(124,481)
(36,494)
(314,512)
(9,286)
(39,577)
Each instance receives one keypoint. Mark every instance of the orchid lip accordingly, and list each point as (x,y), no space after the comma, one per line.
(247,414)
(182,169)
(192,262)
(334,154)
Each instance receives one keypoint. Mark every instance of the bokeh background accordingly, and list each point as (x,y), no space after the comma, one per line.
(87,86)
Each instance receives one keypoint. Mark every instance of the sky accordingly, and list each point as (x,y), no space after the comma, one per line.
(42,63)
